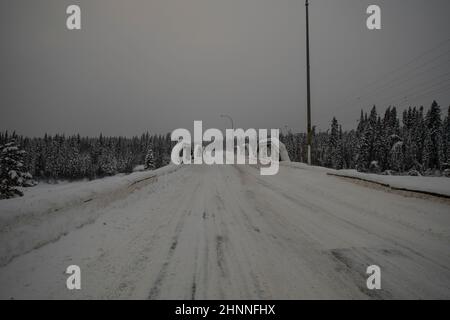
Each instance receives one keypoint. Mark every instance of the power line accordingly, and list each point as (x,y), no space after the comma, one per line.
(417,87)
(389,83)
(444,88)
(407,64)
(383,77)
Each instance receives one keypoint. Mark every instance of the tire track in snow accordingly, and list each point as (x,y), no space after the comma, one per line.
(155,289)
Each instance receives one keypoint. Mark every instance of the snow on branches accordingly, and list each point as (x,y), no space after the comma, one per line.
(12,171)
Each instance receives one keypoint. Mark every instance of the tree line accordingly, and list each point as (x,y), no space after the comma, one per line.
(419,144)
(75,157)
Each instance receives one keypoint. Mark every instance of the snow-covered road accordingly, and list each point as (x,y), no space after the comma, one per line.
(225,232)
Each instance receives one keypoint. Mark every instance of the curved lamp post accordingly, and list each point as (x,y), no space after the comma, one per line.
(231,119)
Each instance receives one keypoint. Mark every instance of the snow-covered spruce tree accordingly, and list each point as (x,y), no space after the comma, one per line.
(158,151)
(446,144)
(368,141)
(167,149)
(413,134)
(150,158)
(362,150)
(334,147)
(288,140)
(419,135)
(389,135)
(298,147)
(54,158)
(446,135)
(107,162)
(349,143)
(396,157)
(378,147)
(433,138)
(12,171)
(410,143)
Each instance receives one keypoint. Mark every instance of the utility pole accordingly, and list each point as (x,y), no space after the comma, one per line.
(308,89)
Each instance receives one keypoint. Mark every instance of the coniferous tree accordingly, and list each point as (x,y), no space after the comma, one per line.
(420,144)
(433,138)
(12,170)
(362,145)
(334,148)
(446,143)
(150,158)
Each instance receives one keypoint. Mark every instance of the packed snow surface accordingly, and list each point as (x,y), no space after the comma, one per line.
(223,232)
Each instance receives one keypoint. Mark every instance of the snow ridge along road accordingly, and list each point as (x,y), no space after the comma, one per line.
(225,232)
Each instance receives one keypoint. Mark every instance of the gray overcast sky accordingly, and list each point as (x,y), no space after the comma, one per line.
(158,65)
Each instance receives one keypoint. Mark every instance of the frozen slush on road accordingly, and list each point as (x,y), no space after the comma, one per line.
(223,232)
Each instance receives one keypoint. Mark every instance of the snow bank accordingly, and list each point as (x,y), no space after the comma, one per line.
(47,212)
(301,165)
(439,186)
(139,168)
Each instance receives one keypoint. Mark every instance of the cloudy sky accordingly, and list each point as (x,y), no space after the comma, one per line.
(157,65)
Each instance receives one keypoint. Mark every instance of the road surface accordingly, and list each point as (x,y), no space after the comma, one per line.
(225,232)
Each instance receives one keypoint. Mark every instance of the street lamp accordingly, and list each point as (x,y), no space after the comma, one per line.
(231,119)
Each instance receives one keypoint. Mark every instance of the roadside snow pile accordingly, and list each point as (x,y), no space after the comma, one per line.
(47,212)
(301,165)
(139,168)
(439,186)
